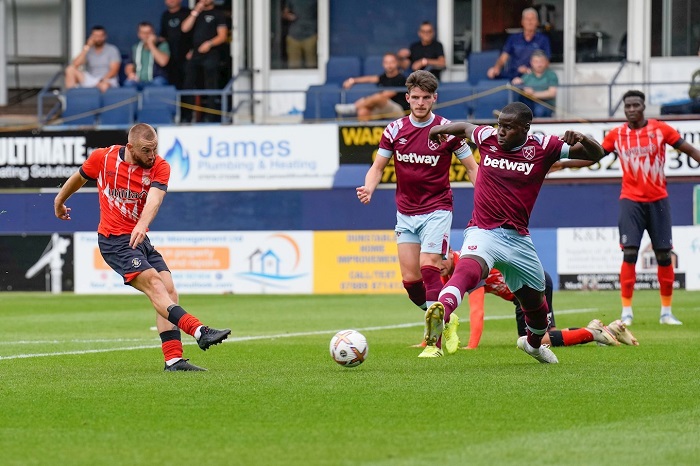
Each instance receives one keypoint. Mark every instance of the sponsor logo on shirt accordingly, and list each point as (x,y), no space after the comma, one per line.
(503,164)
(402,141)
(127,194)
(412,157)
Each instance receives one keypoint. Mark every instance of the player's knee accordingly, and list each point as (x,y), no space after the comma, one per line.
(629,255)
(663,257)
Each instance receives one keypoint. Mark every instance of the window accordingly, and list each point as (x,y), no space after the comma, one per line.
(294,34)
(462,27)
(675,28)
(601,33)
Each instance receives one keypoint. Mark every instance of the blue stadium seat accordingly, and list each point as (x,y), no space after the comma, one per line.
(357,91)
(320,102)
(158,105)
(338,69)
(372,65)
(85,102)
(451,103)
(123,101)
(479,63)
(488,100)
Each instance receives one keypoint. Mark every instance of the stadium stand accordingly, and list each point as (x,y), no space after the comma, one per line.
(358,91)
(488,100)
(320,102)
(372,65)
(85,102)
(338,69)
(158,105)
(479,63)
(451,101)
(119,106)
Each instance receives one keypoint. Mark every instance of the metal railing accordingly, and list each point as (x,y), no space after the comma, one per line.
(228,109)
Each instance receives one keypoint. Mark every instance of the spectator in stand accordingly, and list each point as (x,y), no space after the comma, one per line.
(209,32)
(427,54)
(515,57)
(384,104)
(97,65)
(302,35)
(149,57)
(404,58)
(179,42)
(541,83)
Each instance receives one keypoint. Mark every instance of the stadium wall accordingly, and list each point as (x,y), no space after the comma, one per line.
(568,205)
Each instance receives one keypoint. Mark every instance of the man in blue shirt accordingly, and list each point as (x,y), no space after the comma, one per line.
(515,58)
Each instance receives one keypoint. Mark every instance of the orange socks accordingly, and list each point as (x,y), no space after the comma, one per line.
(666,277)
(576,336)
(171,344)
(189,324)
(476,317)
(628,277)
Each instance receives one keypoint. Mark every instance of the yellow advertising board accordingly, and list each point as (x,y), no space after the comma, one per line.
(363,261)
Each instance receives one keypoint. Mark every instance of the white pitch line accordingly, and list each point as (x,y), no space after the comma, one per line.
(230,340)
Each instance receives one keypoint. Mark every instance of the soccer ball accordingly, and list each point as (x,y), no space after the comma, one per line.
(349,348)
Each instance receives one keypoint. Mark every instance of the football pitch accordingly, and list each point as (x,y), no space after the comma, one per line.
(81,383)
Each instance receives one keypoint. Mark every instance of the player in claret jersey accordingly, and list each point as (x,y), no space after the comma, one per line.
(640,145)
(603,335)
(512,170)
(131,183)
(423,193)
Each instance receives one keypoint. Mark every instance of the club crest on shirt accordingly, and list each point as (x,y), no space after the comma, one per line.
(145,181)
(433,145)
(529,152)
(136,262)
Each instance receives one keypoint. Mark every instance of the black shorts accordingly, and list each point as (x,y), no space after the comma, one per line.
(129,262)
(654,217)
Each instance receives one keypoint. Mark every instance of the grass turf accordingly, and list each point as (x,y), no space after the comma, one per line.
(82,383)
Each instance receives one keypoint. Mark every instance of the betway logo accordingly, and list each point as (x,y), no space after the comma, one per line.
(504,164)
(431,160)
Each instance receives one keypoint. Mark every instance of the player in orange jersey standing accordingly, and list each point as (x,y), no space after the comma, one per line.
(640,145)
(132,181)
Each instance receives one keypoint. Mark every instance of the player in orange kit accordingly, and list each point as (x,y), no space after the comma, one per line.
(131,183)
(640,144)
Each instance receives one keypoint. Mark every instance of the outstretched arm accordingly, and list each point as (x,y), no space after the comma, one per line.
(74,183)
(570,163)
(372,179)
(583,147)
(690,149)
(462,129)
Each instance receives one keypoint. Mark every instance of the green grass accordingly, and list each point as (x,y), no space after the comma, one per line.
(282,400)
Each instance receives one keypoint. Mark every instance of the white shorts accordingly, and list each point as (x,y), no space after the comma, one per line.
(431,231)
(91,81)
(508,251)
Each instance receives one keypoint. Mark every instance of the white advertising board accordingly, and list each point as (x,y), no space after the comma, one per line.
(233,158)
(677,163)
(590,258)
(211,262)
